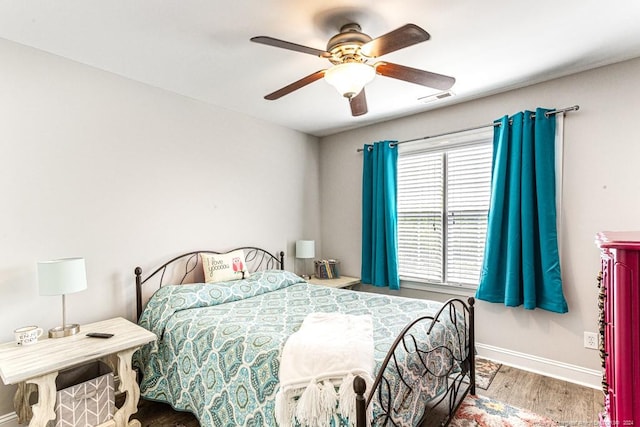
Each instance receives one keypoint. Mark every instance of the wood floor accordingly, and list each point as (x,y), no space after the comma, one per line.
(567,403)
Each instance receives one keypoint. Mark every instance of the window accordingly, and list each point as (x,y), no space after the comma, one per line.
(444,185)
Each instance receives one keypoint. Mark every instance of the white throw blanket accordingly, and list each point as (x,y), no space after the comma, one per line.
(328,351)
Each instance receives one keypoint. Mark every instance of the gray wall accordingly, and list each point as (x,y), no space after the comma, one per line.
(124,174)
(600,188)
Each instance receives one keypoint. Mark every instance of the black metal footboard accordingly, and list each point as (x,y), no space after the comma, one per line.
(419,383)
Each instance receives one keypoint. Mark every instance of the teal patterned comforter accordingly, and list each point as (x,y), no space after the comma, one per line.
(218,347)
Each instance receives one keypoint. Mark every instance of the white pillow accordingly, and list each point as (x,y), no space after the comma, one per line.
(224,267)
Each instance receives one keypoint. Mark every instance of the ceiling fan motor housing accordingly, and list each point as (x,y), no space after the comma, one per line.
(345,46)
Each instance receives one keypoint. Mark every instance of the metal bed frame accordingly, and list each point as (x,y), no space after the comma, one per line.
(459,377)
(256,258)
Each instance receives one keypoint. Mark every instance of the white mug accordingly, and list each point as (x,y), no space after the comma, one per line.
(27,335)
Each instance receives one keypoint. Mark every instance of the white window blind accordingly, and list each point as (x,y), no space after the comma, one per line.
(443,199)
(420,215)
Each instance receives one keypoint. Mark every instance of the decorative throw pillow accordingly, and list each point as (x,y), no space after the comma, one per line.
(224,267)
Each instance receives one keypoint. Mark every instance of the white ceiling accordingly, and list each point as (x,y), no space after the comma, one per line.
(201,48)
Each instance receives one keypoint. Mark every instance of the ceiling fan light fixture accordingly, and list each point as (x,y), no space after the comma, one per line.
(350,77)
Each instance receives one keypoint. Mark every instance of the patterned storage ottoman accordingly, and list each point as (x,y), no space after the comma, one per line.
(85,396)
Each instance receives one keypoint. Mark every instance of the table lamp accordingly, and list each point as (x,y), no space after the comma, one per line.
(305,249)
(61,277)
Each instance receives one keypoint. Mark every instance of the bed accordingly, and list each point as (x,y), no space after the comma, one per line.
(219,344)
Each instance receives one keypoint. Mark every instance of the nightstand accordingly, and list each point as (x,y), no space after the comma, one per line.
(340,282)
(40,363)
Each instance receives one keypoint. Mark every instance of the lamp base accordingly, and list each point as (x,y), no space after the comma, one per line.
(64,331)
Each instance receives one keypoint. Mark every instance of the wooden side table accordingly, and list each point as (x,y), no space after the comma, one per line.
(340,282)
(40,363)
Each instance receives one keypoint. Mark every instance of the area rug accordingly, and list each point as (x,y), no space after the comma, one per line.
(485,372)
(479,411)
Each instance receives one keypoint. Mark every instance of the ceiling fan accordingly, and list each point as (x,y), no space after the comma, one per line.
(350,52)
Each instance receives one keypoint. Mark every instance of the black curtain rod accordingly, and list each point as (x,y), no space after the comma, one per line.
(548,113)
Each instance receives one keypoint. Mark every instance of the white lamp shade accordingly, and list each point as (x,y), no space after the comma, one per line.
(349,78)
(305,249)
(62,276)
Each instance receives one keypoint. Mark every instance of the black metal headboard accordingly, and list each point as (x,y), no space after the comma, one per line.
(256,259)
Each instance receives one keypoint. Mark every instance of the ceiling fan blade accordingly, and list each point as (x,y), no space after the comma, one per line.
(295,85)
(358,104)
(399,38)
(413,75)
(270,41)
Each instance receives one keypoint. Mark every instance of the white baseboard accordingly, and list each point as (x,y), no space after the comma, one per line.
(9,420)
(551,368)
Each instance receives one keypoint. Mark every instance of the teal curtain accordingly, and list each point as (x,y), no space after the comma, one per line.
(379,215)
(521,262)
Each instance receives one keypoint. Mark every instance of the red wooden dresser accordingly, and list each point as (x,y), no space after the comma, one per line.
(620,328)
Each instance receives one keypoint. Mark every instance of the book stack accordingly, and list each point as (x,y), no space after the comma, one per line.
(327,269)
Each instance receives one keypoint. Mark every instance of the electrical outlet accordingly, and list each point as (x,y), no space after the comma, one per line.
(591,340)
